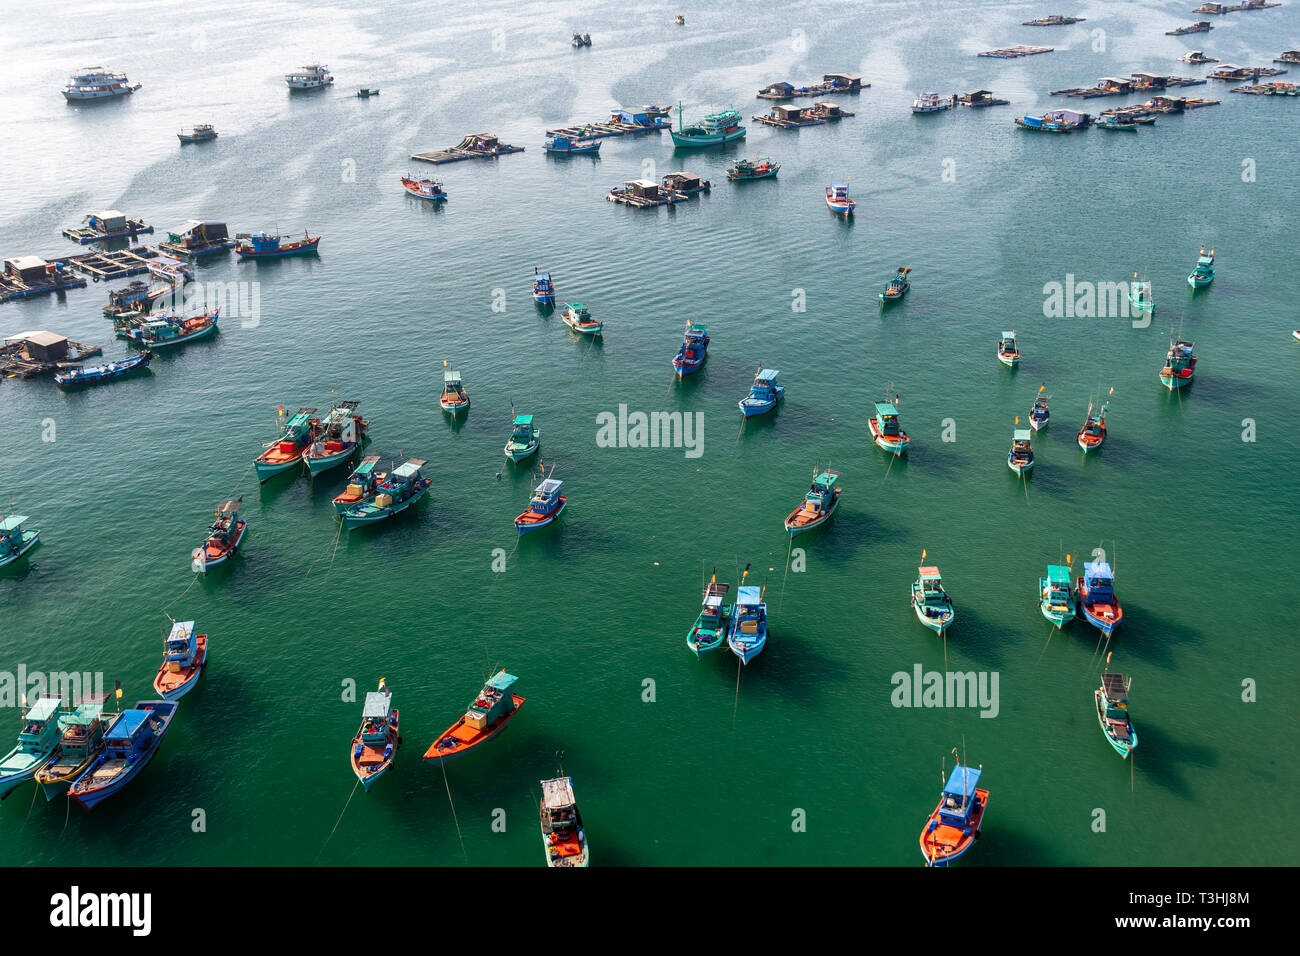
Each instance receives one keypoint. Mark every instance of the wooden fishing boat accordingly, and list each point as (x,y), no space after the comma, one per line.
(361,485)
(165,331)
(368,91)
(763,395)
(544,506)
(1055,596)
(488,714)
(743,170)
(77,375)
(286,451)
(1040,414)
(394,493)
(524,438)
(454,398)
(1008,351)
(885,430)
(1093,432)
(710,628)
(543,290)
(712,130)
(36,743)
(1097,598)
(838,201)
(747,632)
(693,351)
(1021,457)
(576,317)
(933,103)
(581,39)
(1112,122)
(563,837)
(897,287)
(423,188)
(955,824)
(81,741)
(570,145)
(129,745)
(224,536)
(184,656)
(15,541)
(1112,712)
(262,245)
(1203,274)
(1046,124)
(376,743)
(1140,295)
(930,602)
(818,505)
(1180,364)
(335,437)
(198,134)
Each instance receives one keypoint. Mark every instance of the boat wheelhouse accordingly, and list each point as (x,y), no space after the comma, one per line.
(198,134)
(763,395)
(15,541)
(1040,414)
(897,287)
(77,375)
(955,823)
(885,430)
(1203,274)
(129,745)
(1021,457)
(818,505)
(488,714)
(1055,596)
(543,290)
(184,655)
(747,633)
(746,169)
(563,837)
(361,485)
(286,451)
(713,130)
(524,438)
(577,318)
(310,77)
(97,83)
(454,398)
(1112,712)
(932,103)
(1180,365)
(570,145)
(224,536)
(1008,351)
(710,628)
(166,331)
(335,437)
(838,201)
(36,743)
(81,740)
(423,188)
(394,493)
(930,601)
(1097,598)
(544,506)
(264,245)
(376,742)
(693,351)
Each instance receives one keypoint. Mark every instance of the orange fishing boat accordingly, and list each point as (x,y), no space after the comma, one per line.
(486,717)
(184,654)
(955,824)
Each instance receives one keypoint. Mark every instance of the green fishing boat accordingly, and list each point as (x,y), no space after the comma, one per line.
(36,743)
(1056,596)
(713,130)
(1203,274)
(710,628)
(524,439)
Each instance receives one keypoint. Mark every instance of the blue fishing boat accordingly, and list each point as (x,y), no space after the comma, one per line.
(15,541)
(694,349)
(544,506)
(819,503)
(36,743)
(1180,365)
(184,655)
(1097,599)
(543,290)
(393,495)
(838,201)
(747,633)
(129,745)
(74,376)
(710,628)
(885,430)
(1203,274)
(930,602)
(376,743)
(1021,457)
(1056,596)
(763,394)
(81,741)
(570,145)
(335,437)
(1008,351)
(1040,414)
(262,245)
(423,188)
(164,331)
(361,485)
(1112,712)
(524,438)
(955,824)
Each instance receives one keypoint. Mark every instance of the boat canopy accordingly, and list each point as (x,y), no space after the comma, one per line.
(766,375)
(750,596)
(839,186)
(1058,574)
(181,636)
(578,306)
(377,706)
(558,794)
(12,522)
(1115,687)
(886,410)
(409,469)
(1021,434)
(962,782)
(451,378)
(43,709)
(930,573)
(827,479)
(523,421)
(550,486)
(1098,571)
(1008,336)
(127,727)
(228,507)
(367,465)
(501,681)
(714,593)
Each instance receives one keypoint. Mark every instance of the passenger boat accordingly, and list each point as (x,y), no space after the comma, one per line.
(885,430)
(955,824)
(224,536)
(747,632)
(263,245)
(563,837)
(14,540)
(932,103)
(1112,712)
(36,743)
(165,331)
(97,83)
(1055,596)
(1203,274)
(693,351)
(1113,122)
(746,169)
(838,201)
(376,743)
(818,505)
(1180,364)
(423,188)
(543,290)
(198,134)
(81,740)
(763,395)
(75,375)
(1097,597)
(1021,457)
(544,506)
(570,146)
(1093,432)
(1008,351)
(454,398)
(184,656)
(1140,295)
(394,493)
(1040,414)
(310,77)
(714,129)
(361,485)
(897,287)
(930,602)
(286,451)
(577,317)
(335,437)
(488,714)
(524,438)
(710,628)
(129,745)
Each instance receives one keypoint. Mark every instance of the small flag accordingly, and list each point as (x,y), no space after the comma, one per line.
(444,363)
(1017,419)
(1067,559)
(923,554)
(117,689)
(1108,658)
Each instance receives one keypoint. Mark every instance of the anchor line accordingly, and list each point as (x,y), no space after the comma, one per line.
(339,820)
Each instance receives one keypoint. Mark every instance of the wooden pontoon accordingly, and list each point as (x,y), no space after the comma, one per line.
(26,276)
(36,353)
(473,146)
(1011,52)
(976,99)
(831,83)
(102,226)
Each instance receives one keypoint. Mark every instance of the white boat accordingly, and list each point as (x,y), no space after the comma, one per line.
(309,77)
(931,103)
(97,83)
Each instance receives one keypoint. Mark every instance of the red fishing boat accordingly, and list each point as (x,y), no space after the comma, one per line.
(493,708)
(262,245)
(955,824)
(1093,432)
(223,539)
(184,654)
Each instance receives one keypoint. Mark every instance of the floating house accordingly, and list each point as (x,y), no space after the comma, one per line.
(473,146)
(35,353)
(99,226)
(831,83)
(1011,52)
(644,193)
(686,183)
(25,276)
(197,237)
(1288,56)
(975,99)
(1230,72)
(791,117)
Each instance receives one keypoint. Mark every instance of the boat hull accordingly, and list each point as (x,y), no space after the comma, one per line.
(794,529)
(519,454)
(1038,425)
(936,624)
(318,463)
(1121,747)
(267,470)
(703,642)
(747,652)
(168,691)
(374,514)
(153,344)
(683,140)
(299,249)
(19,775)
(1021,468)
(524,527)
(202,564)
(895,446)
(29,541)
(442,759)
(946,844)
(419,195)
(841,208)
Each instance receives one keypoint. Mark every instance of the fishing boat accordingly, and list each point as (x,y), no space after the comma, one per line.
(710,628)
(81,740)
(955,824)
(563,837)
(198,134)
(76,375)
(745,169)
(570,145)
(1197,56)
(1112,712)
(1093,432)
(263,245)
(897,287)
(1203,274)
(310,77)
(838,201)
(394,493)
(1021,457)
(1097,598)
(97,83)
(376,743)
(544,506)
(184,656)
(368,91)
(763,395)
(679,20)
(930,602)
(747,632)
(1008,351)
(1046,124)
(576,317)
(1040,414)
(454,398)
(36,743)
(286,451)
(129,745)
(361,485)
(1180,364)
(693,351)
(714,129)
(581,39)
(524,438)
(224,535)
(335,437)
(423,188)
(15,541)
(1113,122)
(932,103)
(1055,596)
(488,714)
(543,290)
(885,430)
(165,331)
(1140,295)
(819,503)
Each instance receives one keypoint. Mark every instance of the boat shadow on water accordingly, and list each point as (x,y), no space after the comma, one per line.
(1169,762)
(1153,639)
(792,666)
(971,637)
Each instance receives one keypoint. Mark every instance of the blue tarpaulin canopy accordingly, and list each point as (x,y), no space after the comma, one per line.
(749,595)
(125,727)
(962,781)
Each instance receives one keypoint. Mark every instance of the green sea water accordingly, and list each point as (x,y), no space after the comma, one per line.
(802,759)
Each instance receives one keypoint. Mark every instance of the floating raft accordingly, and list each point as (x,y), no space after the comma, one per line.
(1219,8)
(646,193)
(103,266)
(831,83)
(26,276)
(1055,20)
(101,226)
(474,146)
(1201,26)
(791,117)
(623,121)
(36,353)
(979,98)
(1270,89)
(1136,83)
(1244,72)
(1011,52)
(1289,56)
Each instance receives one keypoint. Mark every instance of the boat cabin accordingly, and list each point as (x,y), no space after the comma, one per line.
(644,117)
(777,91)
(715,593)
(40,725)
(1008,343)
(1149,81)
(1020,439)
(1058,584)
(451,383)
(931,582)
(750,611)
(959,797)
(822,493)
(839,192)
(826,111)
(180,646)
(765,381)
(11,532)
(545,496)
(1115,688)
(842,82)
(82,728)
(683,182)
(887,419)
(262,242)
(788,114)
(559,806)
(407,473)
(1099,579)
(523,429)
(199,235)
(494,701)
(362,477)
(128,735)
(642,188)
(375,716)
(1115,84)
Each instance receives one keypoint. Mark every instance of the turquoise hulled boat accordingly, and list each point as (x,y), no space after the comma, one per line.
(1203,274)
(524,438)
(335,438)
(166,331)
(885,430)
(563,835)
(713,130)
(286,451)
(819,504)
(129,745)
(37,741)
(375,744)
(745,169)
(1021,457)
(1040,414)
(570,145)
(710,628)
(763,395)
(576,317)
(747,633)
(1055,596)
(81,741)
(1008,351)
(361,485)
(1141,296)
(897,287)
(454,399)
(1180,364)
(930,602)
(393,495)
(15,540)
(1112,712)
